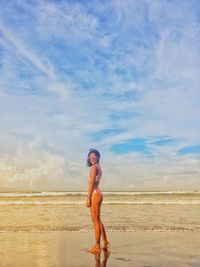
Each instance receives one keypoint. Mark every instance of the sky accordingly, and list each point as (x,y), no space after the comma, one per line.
(119,76)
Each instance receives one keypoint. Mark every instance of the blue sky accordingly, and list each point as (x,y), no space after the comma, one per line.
(120,76)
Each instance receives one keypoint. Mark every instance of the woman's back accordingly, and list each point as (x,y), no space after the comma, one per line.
(98,176)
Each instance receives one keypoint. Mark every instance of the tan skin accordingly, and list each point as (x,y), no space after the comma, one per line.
(94,200)
(98,262)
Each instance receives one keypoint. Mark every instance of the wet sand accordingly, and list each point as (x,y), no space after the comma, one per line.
(63,249)
(50,218)
(56,231)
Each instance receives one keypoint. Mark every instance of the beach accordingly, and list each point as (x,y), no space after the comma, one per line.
(128,249)
(55,229)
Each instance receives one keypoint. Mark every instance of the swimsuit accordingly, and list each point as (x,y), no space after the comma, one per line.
(96,184)
(97,181)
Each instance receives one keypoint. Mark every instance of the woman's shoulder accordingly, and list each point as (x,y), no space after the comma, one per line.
(94,167)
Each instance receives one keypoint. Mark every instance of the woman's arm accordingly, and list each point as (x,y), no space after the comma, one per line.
(92,175)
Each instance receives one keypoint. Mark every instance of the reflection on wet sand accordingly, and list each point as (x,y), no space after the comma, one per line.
(97,257)
(138,249)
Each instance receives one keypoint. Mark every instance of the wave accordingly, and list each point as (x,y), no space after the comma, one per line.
(152,192)
(67,193)
(81,230)
(40,194)
(181,202)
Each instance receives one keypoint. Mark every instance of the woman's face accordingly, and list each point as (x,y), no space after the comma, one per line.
(93,158)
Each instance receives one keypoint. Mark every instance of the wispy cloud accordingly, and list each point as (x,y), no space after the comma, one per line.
(27,56)
(121,76)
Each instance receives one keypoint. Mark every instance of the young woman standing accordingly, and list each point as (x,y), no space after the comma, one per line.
(95,198)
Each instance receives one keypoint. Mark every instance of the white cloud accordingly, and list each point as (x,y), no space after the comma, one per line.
(34,167)
(25,53)
(70,22)
(97,55)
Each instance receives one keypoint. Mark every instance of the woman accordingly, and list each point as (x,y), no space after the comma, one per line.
(94,199)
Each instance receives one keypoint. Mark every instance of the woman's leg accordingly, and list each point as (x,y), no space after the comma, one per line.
(103,233)
(95,214)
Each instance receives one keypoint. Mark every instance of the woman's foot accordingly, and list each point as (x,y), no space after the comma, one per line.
(106,245)
(95,249)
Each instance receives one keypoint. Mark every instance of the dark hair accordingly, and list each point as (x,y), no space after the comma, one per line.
(97,154)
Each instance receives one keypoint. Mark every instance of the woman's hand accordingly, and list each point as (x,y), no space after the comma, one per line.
(88,202)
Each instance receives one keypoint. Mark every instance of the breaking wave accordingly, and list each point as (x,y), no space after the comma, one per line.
(192,202)
(68,193)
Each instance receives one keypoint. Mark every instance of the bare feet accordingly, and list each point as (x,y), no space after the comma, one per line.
(106,245)
(95,249)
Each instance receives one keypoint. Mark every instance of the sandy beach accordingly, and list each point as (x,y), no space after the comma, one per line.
(99,133)
(63,249)
(55,230)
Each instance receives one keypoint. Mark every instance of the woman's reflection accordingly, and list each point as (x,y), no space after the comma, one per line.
(97,257)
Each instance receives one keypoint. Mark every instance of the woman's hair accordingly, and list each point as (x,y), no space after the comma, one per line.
(97,154)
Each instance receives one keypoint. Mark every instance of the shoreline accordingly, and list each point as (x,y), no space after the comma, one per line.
(106,192)
(131,249)
(107,231)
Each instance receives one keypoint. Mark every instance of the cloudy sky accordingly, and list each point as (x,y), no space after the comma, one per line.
(120,76)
